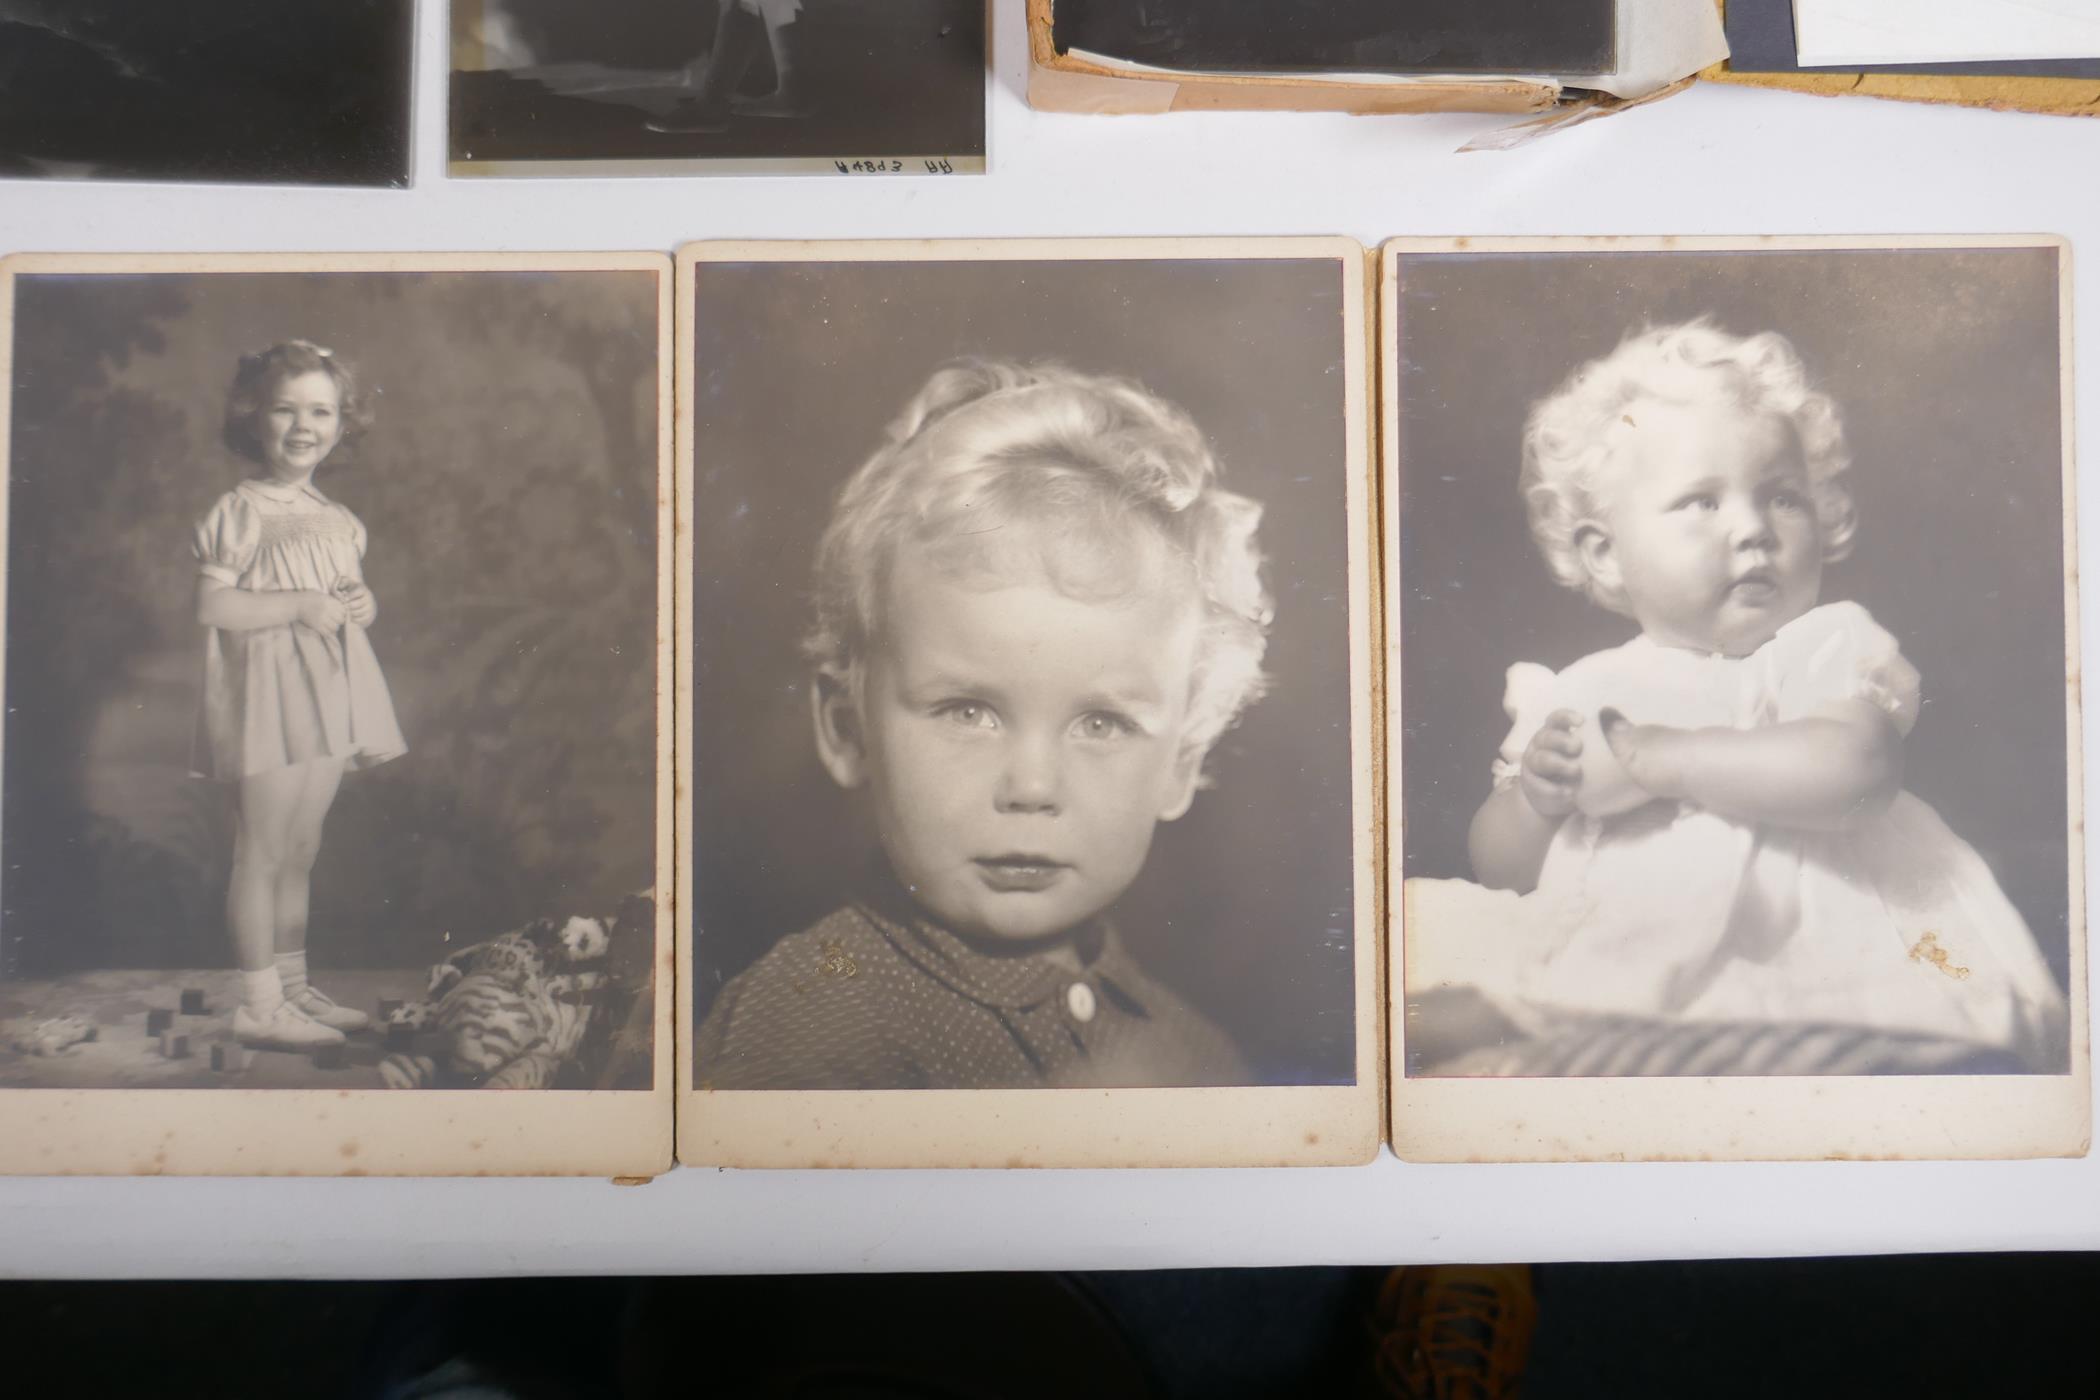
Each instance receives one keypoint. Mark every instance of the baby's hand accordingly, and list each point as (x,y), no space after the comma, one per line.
(1552,769)
(1653,755)
(321,612)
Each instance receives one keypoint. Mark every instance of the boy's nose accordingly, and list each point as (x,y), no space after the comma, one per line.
(1032,779)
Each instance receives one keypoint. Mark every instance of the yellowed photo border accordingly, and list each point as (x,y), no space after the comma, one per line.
(1269,1126)
(293,1132)
(1727,1118)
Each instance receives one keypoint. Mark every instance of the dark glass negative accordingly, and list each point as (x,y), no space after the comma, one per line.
(1382,36)
(242,91)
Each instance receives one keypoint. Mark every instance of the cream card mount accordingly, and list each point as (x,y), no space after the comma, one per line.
(1737,822)
(383,540)
(1029,696)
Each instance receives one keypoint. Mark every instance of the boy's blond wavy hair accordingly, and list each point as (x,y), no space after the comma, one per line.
(1081,459)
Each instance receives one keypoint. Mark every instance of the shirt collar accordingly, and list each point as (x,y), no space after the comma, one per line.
(282,493)
(1010,982)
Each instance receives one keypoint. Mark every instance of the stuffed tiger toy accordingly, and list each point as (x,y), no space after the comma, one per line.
(512,1013)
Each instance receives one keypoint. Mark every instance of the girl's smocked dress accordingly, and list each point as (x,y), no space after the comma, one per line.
(1676,911)
(277,696)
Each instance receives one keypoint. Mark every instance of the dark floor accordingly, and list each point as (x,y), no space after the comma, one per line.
(1985,1325)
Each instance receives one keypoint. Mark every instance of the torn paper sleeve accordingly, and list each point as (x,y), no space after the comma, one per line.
(1661,42)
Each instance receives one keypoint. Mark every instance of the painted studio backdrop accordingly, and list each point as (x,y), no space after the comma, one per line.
(509,486)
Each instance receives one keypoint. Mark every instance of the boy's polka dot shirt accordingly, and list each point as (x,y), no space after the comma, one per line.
(875,996)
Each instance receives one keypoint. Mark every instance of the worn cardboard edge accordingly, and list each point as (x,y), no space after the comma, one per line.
(1482,1120)
(2062,97)
(1065,83)
(1391,828)
(1324,1125)
(365,1132)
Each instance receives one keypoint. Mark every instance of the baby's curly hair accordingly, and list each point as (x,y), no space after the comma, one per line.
(1082,458)
(1568,438)
(256,379)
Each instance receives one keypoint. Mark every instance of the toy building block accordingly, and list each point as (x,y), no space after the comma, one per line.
(174,1045)
(400,1037)
(158,1020)
(387,1008)
(229,1059)
(192,1001)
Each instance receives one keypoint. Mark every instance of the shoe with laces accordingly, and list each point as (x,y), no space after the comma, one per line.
(315,1005)
(286,1028)
(1454,1331)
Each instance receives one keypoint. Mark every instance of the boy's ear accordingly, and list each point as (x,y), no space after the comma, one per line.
(1182,781)
(1593,544)
(837,721)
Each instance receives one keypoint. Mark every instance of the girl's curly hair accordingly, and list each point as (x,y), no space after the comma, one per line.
(255,382)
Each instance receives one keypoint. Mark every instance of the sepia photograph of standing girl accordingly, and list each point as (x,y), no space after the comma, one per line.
(331,753)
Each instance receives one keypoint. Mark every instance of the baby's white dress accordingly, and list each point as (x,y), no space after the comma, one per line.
(1674,911)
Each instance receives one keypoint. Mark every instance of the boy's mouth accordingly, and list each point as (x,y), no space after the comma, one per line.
(1019,873)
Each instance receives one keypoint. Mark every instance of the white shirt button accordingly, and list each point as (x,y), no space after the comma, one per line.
(1079,1000)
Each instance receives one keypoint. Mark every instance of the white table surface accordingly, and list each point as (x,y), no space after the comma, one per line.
(1714,160)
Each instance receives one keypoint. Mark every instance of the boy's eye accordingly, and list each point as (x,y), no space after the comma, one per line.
(1702,500)
(967,714)
(1102,724)
(1786,498)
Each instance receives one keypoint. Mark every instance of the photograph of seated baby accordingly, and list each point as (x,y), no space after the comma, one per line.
(1779,800)
(1035,627)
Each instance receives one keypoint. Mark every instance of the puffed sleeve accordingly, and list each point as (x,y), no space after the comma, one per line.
(227,538)
(357,528)
(1837,653)
(1527,698)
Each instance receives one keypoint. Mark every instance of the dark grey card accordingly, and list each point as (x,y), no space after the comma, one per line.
(1386,36)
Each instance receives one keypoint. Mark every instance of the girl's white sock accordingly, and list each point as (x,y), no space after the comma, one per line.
(291,972)
(261,992)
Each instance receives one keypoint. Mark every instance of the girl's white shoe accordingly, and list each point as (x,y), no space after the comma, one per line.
(315,1005)
(286,1028)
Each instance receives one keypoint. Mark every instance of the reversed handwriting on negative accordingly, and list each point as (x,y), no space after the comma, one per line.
(930,165)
